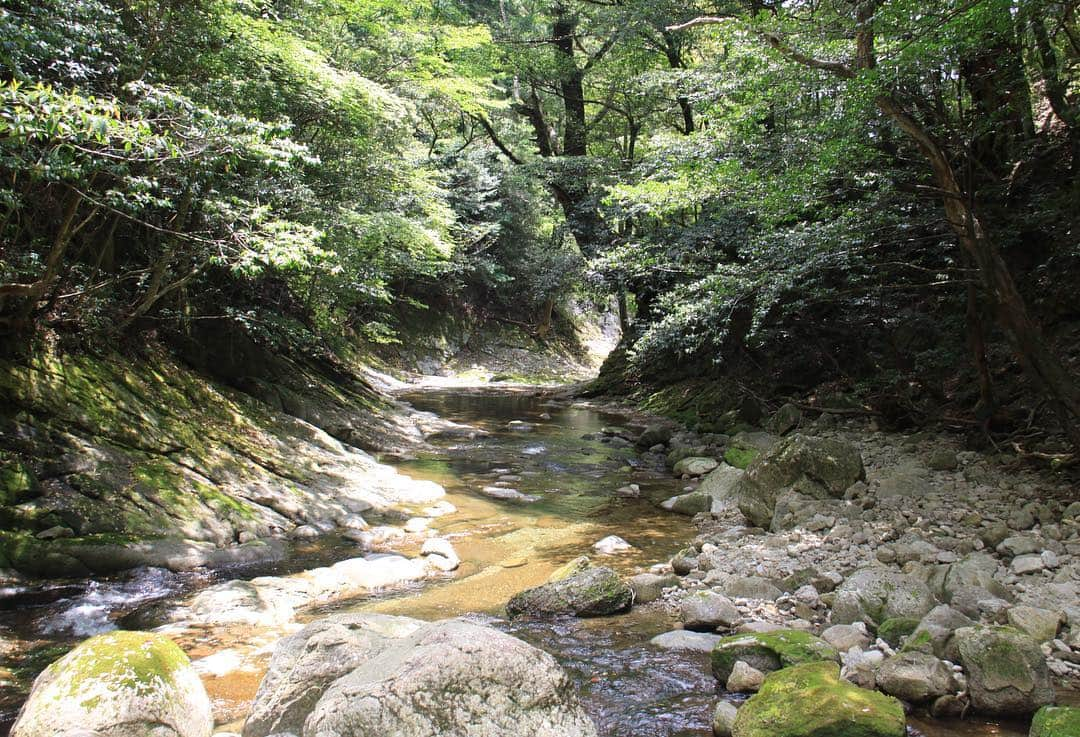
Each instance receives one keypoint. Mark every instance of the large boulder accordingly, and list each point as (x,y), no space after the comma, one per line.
(591,593)
(873,595)
(720,485)
(452,679)
(915,677)
(1006,670)
(811,700)
(655,434)
(120,684)
(769,651)
(820,468)
(1056,721)
(305,664)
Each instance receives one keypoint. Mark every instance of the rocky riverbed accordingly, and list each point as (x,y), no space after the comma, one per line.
(874,579)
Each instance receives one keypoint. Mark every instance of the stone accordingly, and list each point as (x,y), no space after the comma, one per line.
(686,640)
(810,700)
(123,684)
(1025,564)
(684,561)
(689,504)
(786,419)
(452,679)
(305,532)
(744,678)
(1006,670)
(655,434)
(724,719)
(973,570)
(707,610)
(695,466)
(769,651)
(510,495)
(1019,545)
(751,587)
(611,544)
(873,595)
(943,459)
(720,484)
(1041,624)
(843,637)
(591,593)
(936,629)
(915,677)
(1056,721)
(55,533)
(819,468)
(440,553)
(648,587)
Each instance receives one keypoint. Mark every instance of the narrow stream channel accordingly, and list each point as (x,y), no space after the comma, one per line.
(550,451)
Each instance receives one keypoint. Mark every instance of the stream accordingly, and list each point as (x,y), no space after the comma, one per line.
(550,450)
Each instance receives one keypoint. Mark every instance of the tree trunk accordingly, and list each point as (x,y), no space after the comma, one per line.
(1055,89)
(1008,304)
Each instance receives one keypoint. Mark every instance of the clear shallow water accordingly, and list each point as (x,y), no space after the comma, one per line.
(630,688)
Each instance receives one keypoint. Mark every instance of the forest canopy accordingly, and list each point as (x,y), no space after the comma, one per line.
(876,192)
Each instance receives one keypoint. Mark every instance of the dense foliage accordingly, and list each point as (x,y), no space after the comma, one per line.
(876,191)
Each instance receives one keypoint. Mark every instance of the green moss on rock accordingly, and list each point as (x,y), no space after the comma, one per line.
(1056,721)
(769,651)
(896,629)
(740,457)
(17,483)
(811,700)
(128,683)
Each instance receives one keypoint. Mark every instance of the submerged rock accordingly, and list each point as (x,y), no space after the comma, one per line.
(810,700)
(591,593)
(769,651)
(121,684)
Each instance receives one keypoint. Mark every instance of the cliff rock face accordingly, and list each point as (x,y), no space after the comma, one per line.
(108,463)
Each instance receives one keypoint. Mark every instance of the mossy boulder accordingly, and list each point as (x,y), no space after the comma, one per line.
(811,700)
(591,593)
(769,651)
(1056,721)
(820,468)
(123,684)
(896,630)
(1006,670)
